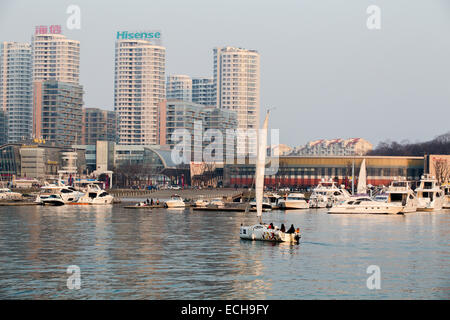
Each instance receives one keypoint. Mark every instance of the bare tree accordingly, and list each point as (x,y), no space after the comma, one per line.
(442,170)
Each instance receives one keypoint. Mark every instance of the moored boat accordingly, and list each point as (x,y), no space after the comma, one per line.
(94,196)
(293,201)
(365,205)
(400,193)
(175,202)
(430,196)
(446,188)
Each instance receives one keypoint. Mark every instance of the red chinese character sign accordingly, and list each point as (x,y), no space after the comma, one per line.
(53,29)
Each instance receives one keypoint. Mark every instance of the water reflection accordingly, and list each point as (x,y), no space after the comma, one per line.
(173,254)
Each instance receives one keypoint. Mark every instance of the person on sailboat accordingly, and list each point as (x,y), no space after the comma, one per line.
(270,226)
(291,229)
(283,228)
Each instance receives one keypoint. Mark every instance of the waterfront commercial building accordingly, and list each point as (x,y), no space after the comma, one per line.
(303,172)
(179,87)
(16,121)
(58,112)
(139,88)
(98,124)
(334,147)
(237,83)
(204,91)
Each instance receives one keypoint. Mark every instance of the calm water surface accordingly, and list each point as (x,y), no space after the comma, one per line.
(181,254)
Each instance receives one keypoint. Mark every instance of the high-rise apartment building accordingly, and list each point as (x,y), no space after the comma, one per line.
(57,95)
(237,81)
(98,124)
(58,111)
(16,90)
(179,87)
(139,87)
(55,58)
(203,91)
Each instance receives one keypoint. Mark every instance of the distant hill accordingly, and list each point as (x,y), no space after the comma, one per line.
(439,145)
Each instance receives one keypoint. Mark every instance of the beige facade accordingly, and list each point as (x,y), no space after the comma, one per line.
(139,88)
(237,82)
(55,58)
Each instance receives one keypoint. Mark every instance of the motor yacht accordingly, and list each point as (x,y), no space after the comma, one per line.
(201,202)
(400,193)
(365,205)
(7,194)
(68,194)
(95,195)
(53,200)
(266,204)
(175,202)
(293,201)
(326,194)
(430,196)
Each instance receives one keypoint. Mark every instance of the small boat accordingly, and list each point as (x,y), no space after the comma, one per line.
(430,196)
(365,205)
(261,231)
(95,195)
(53,200)
(175,202)
(201,203)
(217,202)
(7,194)
(400,193)
(446,188)
(273,199)
(293,201)
(266,204)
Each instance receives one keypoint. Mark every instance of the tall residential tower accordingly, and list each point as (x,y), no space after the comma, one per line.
(139,87)
(16,91)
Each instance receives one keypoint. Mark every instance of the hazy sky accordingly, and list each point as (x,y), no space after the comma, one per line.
(326,73)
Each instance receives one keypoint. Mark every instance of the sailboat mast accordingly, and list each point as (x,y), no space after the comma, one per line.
(260,166)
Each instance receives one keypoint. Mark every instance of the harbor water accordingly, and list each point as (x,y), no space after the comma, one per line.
(185,254)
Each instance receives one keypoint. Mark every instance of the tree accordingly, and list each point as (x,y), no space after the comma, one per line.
(442,170)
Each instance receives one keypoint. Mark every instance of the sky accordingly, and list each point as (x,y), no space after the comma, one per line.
(322,70)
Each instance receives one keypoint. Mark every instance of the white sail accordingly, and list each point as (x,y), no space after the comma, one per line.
(362,180)
(260,165)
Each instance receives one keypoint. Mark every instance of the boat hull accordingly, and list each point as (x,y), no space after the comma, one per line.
(262,233)
(289,205)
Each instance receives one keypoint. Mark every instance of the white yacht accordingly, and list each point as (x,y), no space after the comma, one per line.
(430,196)
(400,193)
(175,202)
(217,202)
(95,195)
(446,188)
(365,205)
(326,194)
(201,202)
(68,194)
(273,199)
(7,194)
(53,200)
(293,201)
(266,204)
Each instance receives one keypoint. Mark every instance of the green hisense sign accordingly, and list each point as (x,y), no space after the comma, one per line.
(125,35)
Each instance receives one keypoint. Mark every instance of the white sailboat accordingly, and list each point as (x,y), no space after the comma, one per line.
(362,180)
(261,231)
